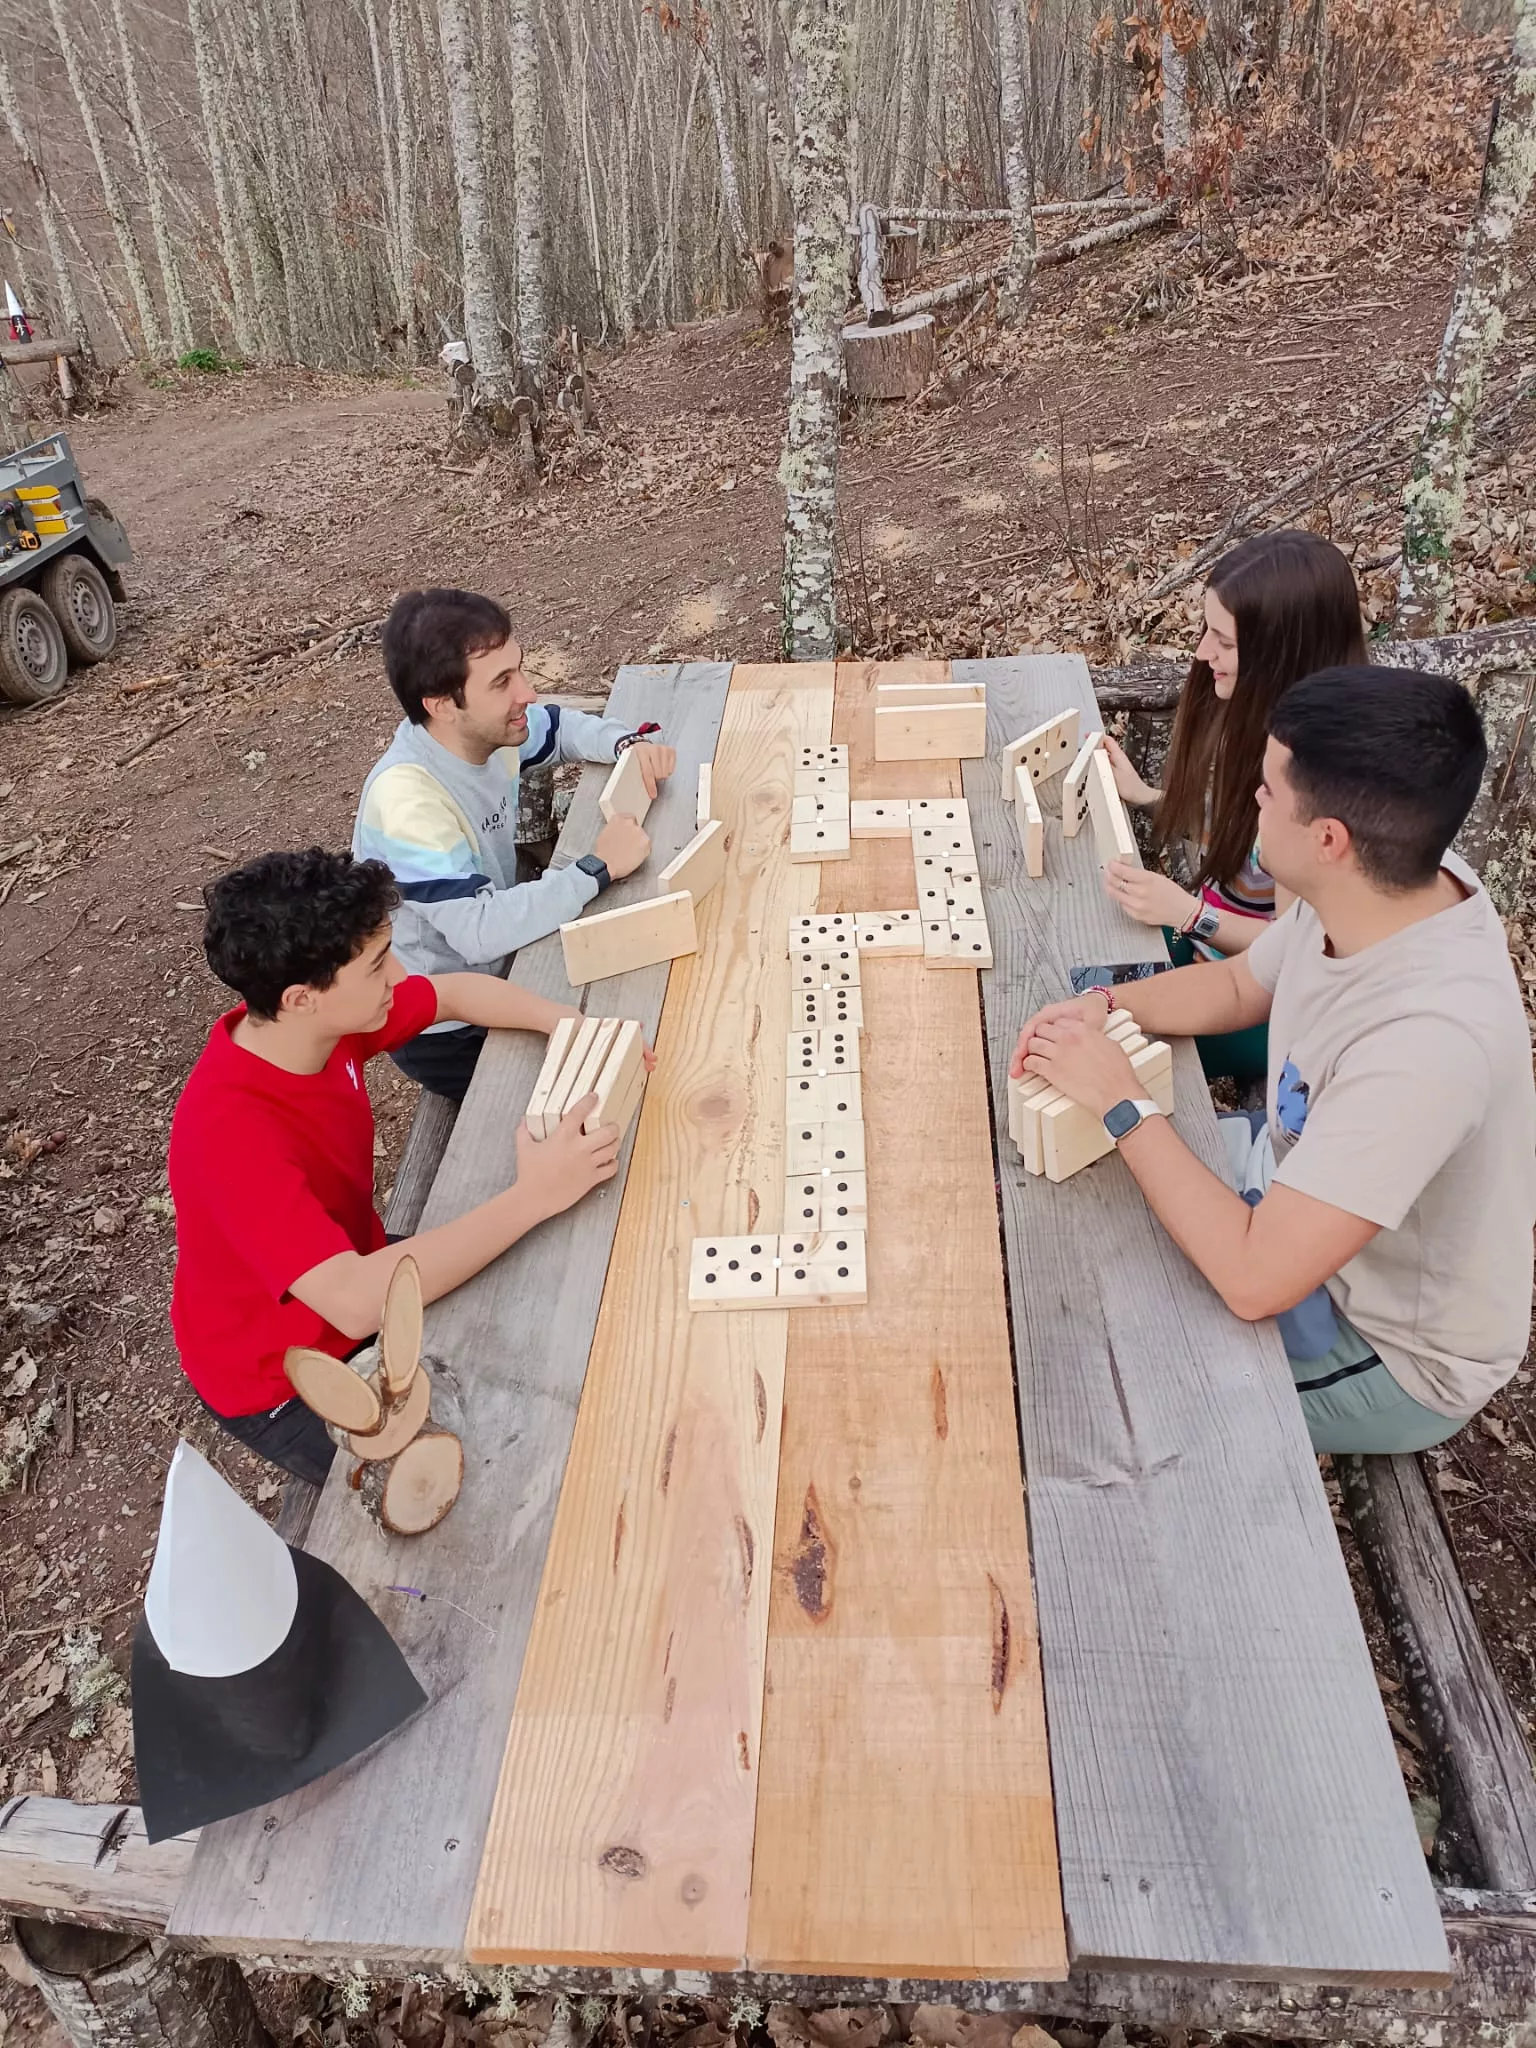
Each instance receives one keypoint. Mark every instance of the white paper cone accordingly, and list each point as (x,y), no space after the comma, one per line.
(13,309)
(222,1591)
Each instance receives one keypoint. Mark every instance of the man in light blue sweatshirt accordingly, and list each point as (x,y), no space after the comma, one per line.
(440,807)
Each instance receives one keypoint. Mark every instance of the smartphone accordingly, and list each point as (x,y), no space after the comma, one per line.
(1085,978)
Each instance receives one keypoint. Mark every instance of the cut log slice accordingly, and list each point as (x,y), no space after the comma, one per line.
(330,1386)
(890,362)
(402,1422)
(410,1494)
(400,1330)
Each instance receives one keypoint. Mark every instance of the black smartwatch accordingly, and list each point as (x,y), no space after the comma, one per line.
(591,865)
(1129,1116)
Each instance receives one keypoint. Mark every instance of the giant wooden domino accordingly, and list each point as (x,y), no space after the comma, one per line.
(1056,1136)
(624,793)
(602,1056)
(930,721)
(618,941)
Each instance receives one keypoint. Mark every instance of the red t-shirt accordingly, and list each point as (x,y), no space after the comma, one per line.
(271,1173)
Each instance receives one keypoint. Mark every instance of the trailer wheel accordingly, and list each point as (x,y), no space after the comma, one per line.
(77,595)
(34,660)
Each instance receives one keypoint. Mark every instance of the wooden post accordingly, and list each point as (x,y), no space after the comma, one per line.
(902,249)
(115,1990)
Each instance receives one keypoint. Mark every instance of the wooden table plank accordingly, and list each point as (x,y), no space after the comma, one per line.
(1227,1797)
(904,1818)
(623,1825)
(379,1859)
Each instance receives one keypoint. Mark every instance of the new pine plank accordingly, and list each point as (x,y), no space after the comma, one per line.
(1227,1797)
(379,1860)
(904,1818)
(623,1825)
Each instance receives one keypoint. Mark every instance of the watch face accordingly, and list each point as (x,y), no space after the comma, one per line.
(1124,1117)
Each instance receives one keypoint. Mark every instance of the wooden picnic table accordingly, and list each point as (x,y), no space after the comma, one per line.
(730,1642)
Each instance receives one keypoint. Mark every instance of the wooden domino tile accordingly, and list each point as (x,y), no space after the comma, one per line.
(880,818)
(1044,751)
(889,931)
(822,1098)
(833,967)
(802,1201)
(818,810)
(964,900)
(1111,826)
(844,1200)
(1030,821)
(822,757)
(936,939)
(824,840)
(1074,791)
(733,1272)
(970,943)
(812,1009)
(825,1269)
(813,934)
(823,1052)
(842,1144)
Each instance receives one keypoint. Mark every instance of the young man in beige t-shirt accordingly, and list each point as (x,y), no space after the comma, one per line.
(1397,1159)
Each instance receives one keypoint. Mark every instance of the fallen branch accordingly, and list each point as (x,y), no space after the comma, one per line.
(253,666)
(154,740)
(947,294)
(959,215)
(1155,685)
(1102,238)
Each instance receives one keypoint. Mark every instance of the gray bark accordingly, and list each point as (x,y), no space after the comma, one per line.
(1013,115)
(405,168)
(111,1990)
(177,309)
(208,95)
(818,42)
(150,329)
(532,227)
(1435,497)
(1175,67)
(48,211)
(482,330)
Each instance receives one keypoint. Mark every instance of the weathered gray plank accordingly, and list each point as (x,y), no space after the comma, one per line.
(1226,1791)
(381,1857)
(87,1864)
(1481,1764)
(432,1123)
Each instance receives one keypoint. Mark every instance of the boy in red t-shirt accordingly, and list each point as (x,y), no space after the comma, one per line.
(271,1155)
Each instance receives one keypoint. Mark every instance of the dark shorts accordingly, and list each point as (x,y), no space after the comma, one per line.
(443,1061)
(291,1436)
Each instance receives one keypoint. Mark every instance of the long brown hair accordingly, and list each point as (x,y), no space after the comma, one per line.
(1297,609)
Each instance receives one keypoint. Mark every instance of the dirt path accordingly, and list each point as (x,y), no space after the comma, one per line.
(264,508)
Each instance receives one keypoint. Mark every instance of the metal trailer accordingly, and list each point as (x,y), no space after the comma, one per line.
(61,556)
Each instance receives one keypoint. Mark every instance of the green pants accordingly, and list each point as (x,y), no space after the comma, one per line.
(1352,1403)
(1237,1055)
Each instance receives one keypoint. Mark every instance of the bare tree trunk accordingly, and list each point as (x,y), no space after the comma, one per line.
(1019,266)
(730,190)
(389,137)
(109,300)
(818,45)
(405,170)
(532,229)
(223,195)
(180,313)
(48,211)
(117,212)
(1434,499)
(1175,67)
(755,64)
(482,330)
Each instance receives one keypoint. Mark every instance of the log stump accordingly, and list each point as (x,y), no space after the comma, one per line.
(902,248)
(112,1990)
(890,362)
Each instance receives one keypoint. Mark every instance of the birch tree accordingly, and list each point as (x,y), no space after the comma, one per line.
(48,211)
(818,56)
(151,331)
(177,309)
(532,228)
(482,330)
(1019,265)
(1435,497)
(1175,73)
(214,123)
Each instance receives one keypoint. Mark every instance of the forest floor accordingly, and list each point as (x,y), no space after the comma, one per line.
(1032,501)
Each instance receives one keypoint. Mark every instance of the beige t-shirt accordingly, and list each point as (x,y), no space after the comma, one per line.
(1400,1089)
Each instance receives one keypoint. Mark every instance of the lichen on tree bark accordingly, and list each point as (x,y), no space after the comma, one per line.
(818,47)
(1435,497)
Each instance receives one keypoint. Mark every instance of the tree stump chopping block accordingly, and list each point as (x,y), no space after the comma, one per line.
(112,1990)
(890,362)
(901,254)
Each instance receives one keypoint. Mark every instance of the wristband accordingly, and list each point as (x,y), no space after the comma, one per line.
(633,739)
(1098,989)
(594,865)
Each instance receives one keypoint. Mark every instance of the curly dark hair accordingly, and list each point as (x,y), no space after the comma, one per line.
(293,917)
(430,638)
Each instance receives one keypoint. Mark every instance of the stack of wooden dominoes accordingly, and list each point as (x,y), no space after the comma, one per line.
(819,815)
(604,1056)
(949,905)
(1056,1136)
(1088,790)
